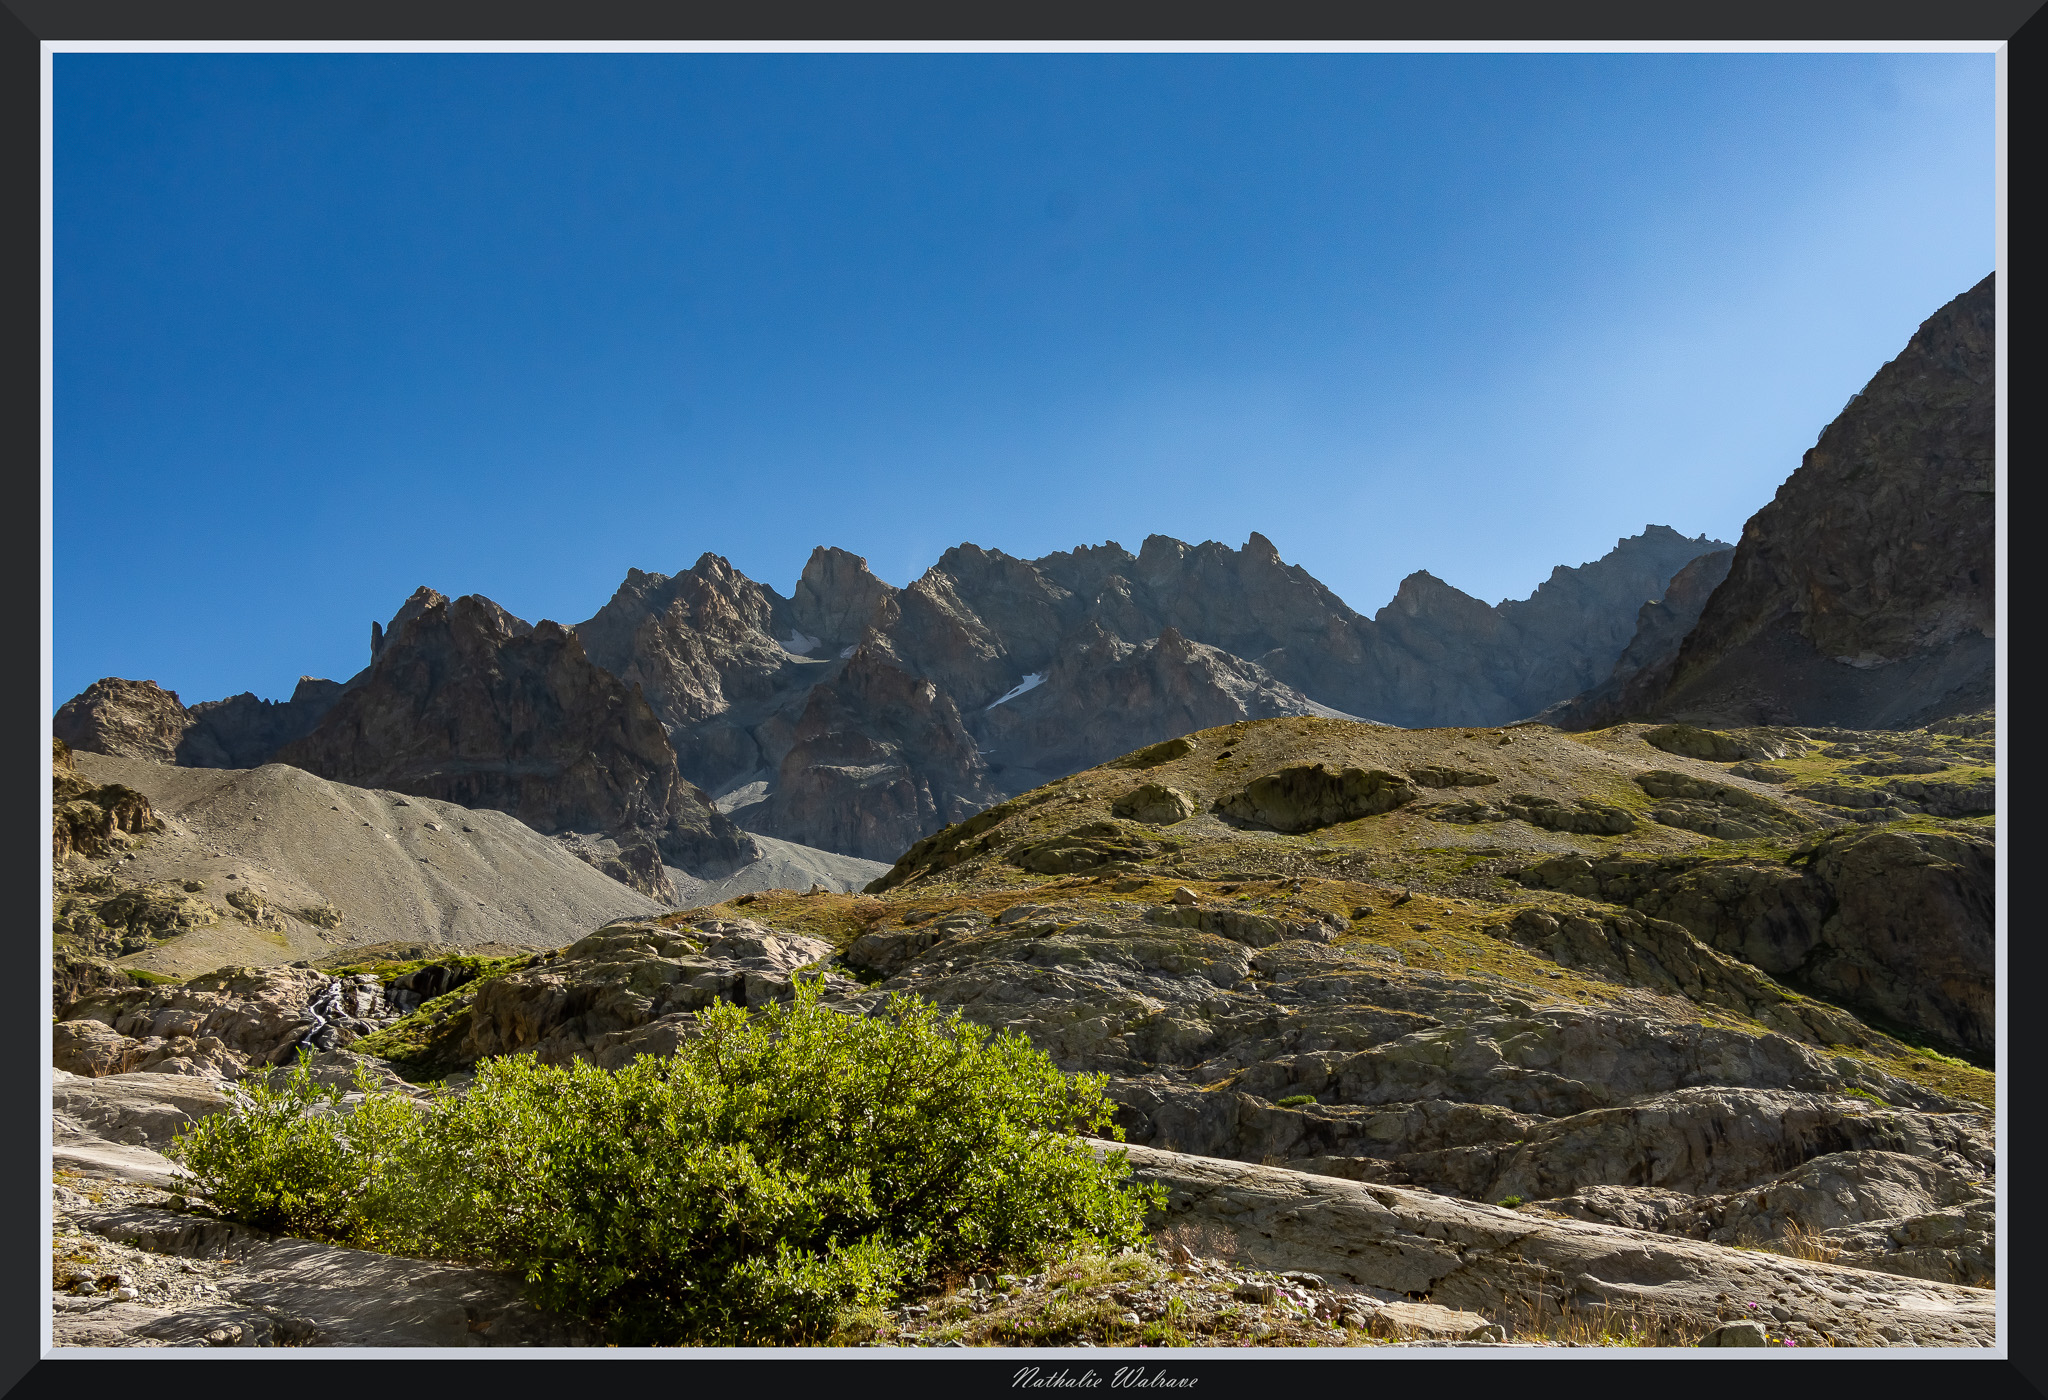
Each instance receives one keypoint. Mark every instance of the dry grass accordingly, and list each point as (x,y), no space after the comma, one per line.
(1562,1323)
(1798,1242)
(1203,1239)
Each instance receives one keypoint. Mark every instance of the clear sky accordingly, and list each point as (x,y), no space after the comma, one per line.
(328,327)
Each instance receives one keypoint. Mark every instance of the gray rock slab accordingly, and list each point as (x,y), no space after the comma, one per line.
(313,1294)
(96,1157)
(1463,1255)
(141,1109)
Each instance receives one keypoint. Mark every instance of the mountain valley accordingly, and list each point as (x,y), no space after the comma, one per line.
(1463,971)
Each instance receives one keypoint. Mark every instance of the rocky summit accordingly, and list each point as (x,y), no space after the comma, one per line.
(466,703)
(1862,595)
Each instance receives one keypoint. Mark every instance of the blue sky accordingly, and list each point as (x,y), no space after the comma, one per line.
(328,327)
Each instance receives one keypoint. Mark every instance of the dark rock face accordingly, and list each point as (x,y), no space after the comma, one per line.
(1101,696)
(878,757)
(468,704)
(1432,656)
(835,601)
(703,647)
(1644,666)
(1446,658)
(1862,595)
(243,731)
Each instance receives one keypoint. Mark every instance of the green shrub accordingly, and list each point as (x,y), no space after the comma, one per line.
(1511,1201)
(1296,1100)
(285,1159)
(777,1170)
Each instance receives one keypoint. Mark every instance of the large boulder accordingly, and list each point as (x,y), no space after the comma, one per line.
(1303,797)
(1155,805)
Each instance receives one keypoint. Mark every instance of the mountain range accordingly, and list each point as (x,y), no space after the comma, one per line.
(856,717)
(698,710)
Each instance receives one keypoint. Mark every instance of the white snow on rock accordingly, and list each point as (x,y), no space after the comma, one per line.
(798,644)
(1030,682)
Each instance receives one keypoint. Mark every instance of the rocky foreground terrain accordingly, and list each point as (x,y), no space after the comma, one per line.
(1679,1026)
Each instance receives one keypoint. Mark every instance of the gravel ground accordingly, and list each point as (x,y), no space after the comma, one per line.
(1168,1298)
(400,869)
(90,1274)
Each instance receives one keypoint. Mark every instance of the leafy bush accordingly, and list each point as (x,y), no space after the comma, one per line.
(283,1157)
(776,1170)
(1295,1100)
(1511,1202)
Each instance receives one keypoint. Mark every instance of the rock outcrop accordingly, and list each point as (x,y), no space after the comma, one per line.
(89,819)
(131,719)
(1895,923)
(468,704)
(218,1025)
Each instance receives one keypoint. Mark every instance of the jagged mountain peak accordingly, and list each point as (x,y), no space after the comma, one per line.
(1862,594)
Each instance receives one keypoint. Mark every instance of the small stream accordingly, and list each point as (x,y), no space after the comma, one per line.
(326,1003)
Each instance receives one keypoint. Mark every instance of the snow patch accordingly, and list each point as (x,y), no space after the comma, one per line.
(798,644)
(745,795)
(848,652)
(1030,682)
